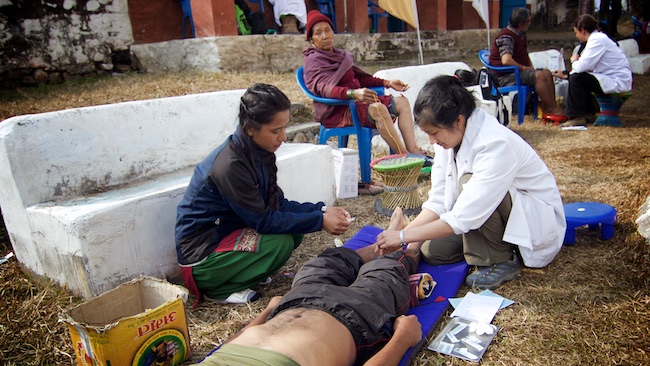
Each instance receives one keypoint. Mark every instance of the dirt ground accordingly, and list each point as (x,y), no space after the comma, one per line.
(590,306)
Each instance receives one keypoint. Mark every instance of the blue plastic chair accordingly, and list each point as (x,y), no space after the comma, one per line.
(187,15)
(326,7)
(364,134)
(521,89)
(258,2)
(374,15)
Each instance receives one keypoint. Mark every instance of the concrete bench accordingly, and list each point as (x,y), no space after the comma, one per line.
(89,195)
(639,63)
(416,77)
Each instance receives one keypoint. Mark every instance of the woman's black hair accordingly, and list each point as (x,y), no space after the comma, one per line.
(258,106)
(586,22)
(519,16)
(441,101)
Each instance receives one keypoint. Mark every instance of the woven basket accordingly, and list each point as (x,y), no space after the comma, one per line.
(400,173)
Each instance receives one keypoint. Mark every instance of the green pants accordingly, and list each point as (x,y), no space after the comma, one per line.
(223,273)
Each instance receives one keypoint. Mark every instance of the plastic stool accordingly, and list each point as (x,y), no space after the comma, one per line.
(589,213)
(610,105)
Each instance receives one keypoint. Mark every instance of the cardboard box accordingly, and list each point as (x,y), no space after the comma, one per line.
(346,172)
(141,322)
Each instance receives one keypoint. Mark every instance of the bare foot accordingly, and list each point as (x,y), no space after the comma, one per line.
(396,220)
(557,111)
(417,150)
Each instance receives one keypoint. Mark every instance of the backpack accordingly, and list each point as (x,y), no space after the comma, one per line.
(489,83)
(243,27)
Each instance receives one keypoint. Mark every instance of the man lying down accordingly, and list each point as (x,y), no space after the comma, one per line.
(345,307)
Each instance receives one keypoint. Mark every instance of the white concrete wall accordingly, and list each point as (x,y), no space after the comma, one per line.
(416,77)
(89,195)
(640,64)
(67,38)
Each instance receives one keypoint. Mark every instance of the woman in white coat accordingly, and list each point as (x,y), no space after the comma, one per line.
(493,201)
(601,68)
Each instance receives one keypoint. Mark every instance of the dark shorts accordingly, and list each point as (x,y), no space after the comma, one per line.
(527,78)
(366,298)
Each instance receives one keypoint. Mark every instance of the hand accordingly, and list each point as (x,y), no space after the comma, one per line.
(387,241)
(273,303)
(399,85)
(408,329)
(574,57)
(335,220)
(365,95)
(558,74)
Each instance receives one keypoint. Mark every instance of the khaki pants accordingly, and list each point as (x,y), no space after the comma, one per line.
(481,247)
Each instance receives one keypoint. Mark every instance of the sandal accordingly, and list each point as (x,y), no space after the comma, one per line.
(370,189)
(421,286)
(240,297)
(491,277)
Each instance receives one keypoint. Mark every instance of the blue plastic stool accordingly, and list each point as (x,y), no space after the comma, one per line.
(589,213)
(610,104)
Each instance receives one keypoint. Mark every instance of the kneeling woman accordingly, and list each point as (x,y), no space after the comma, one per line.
(234,227)
(492,202)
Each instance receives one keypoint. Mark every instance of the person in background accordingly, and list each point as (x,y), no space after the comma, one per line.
(493,202)
(330,72)
(234,227)
(510,48)
(601,68)
(610,18)
(290,15)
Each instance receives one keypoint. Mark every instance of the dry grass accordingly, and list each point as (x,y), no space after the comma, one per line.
(590,306)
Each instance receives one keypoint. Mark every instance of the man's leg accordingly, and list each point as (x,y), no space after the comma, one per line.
(545,89)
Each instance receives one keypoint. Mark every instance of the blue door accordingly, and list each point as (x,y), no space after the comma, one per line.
(505,9)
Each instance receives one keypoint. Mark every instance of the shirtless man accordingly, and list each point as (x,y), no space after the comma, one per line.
(345,307)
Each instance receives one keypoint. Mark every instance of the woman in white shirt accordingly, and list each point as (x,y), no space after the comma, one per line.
(601,68)
(493,201)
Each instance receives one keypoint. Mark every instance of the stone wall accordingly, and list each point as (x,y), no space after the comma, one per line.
(45,41)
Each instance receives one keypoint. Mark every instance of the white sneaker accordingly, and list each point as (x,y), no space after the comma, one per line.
(240,297)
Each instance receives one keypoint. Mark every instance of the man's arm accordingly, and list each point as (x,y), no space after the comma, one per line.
(408,332)
(260,319)
(507,60)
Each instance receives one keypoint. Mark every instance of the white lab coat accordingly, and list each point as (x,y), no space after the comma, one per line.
(500,161)
(296,8)
(603,59)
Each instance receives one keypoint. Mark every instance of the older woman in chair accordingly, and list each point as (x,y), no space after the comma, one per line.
(330,72)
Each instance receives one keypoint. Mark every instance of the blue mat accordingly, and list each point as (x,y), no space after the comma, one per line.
(449,278)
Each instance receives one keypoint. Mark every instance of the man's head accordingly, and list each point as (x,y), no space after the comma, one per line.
(520,19)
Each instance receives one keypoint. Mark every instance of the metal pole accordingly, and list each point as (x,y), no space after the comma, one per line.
(345,16)
(417,23)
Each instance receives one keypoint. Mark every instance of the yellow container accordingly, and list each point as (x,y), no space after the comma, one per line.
(141,322)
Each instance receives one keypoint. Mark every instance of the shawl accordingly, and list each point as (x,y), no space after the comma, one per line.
(323,70)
